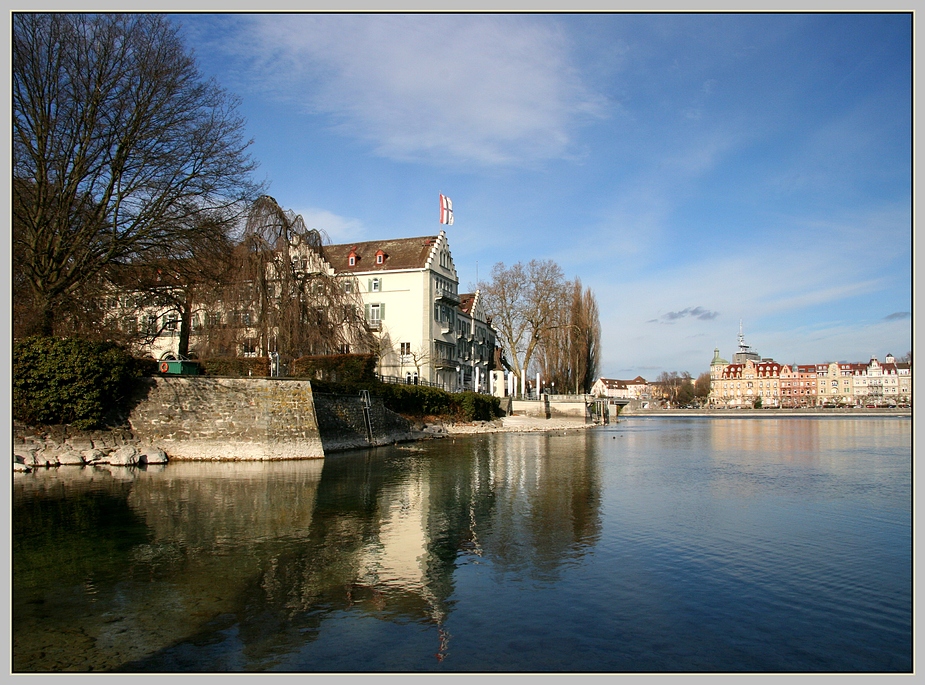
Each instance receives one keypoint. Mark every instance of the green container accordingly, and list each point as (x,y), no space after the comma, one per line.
(179,368)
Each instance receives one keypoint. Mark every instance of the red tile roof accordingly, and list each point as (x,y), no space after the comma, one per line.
(400,253)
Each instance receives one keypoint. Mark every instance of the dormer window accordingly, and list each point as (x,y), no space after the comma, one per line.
(380,257)
(352,257)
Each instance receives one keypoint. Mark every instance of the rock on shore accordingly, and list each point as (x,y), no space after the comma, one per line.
(64,446)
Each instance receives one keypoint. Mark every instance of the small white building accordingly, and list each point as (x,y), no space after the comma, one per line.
(635,389)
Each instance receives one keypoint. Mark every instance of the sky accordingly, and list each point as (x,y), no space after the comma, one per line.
(695,171)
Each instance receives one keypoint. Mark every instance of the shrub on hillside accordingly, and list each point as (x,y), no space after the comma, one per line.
(69,380)
(476,407)
(420,400)
(417,400)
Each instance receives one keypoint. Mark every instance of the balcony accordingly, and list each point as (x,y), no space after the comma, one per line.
(446,297)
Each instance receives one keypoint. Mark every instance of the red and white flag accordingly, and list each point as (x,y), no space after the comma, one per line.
(446,210)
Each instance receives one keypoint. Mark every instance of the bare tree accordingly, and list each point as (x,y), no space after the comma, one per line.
(175,291)
(676,388)
(420,356)
(702,387)
(524,303)
(282,297)
(120,150)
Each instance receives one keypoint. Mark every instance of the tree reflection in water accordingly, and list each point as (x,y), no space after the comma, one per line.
(237,566)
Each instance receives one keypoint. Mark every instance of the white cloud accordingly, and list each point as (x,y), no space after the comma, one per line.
(463,88)
(338,228)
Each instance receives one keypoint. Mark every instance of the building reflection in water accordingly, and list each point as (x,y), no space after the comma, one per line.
(267,552)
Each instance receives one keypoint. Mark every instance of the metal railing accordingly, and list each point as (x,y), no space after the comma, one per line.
(397,380)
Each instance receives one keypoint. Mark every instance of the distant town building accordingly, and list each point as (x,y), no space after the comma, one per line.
(635,389)
(751,381)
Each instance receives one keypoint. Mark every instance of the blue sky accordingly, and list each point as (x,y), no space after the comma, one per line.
(694,170)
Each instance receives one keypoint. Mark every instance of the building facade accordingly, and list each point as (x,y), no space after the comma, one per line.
(407,292)
(635,389)
(832,384)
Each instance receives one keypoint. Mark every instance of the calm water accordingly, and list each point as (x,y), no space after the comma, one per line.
(657,544)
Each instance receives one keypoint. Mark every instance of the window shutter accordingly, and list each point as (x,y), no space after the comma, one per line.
(369,285)
(381,311)
(367,312)
(380,286)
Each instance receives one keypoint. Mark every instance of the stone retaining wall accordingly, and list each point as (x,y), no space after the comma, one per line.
(202,418)
(342,425)
(546,408)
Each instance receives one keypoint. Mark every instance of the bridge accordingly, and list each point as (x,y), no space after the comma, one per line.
(588,408)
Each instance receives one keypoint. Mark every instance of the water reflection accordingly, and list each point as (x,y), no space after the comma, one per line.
(649,545)
(270,549)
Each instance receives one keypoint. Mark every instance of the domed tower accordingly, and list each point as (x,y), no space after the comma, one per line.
(717,366)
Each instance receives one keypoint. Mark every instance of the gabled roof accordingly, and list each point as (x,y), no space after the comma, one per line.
(400,253)
(466,301)
(614,383)
(611,383)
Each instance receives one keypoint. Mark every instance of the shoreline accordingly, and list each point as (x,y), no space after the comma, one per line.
(517,424)
(764,413)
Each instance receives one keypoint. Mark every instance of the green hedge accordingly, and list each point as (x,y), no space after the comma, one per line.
(235,367)
(337,368)
(71,381)
(147,366)
(422,400)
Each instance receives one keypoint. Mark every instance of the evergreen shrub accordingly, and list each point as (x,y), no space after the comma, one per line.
(476,407)
(147,366)
(420,400)
(70,381)
(235,367)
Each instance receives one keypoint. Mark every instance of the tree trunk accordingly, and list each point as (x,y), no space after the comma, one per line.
(185,324)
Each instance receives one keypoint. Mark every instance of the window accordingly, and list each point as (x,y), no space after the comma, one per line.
(348,287)
(379,259)
(352,260)
(405,348)
(375,313)
(374,285)
(345,348)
